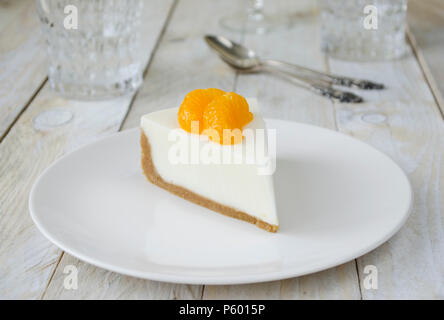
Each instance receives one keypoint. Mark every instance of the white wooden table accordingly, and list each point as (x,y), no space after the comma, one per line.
(405,121)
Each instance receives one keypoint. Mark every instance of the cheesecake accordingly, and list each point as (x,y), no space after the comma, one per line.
(213,151)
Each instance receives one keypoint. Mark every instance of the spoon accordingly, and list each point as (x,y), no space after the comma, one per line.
(243,58)
(246,60)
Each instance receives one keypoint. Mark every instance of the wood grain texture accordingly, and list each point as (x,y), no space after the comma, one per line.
(426,25)
(97,283)
(22,59)
(282,100)
(27,259)
(335,283)
(182,62)
(9,10)
(404,122)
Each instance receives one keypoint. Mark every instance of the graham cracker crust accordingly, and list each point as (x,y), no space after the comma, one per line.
(152,175)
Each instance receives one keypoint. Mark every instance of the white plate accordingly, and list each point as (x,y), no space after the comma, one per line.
(337,198)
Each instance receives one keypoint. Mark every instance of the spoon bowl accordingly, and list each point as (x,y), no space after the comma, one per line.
(235,54)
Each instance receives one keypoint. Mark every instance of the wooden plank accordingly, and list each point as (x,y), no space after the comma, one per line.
(335,283)
(404,122)
(299,44)
(182,62)
(97,283)
(27,259)
(10,10)
(426,25)
(22,59)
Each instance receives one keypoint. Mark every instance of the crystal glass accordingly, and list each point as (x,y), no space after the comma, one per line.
(363,30)
(251,19)
(93,46)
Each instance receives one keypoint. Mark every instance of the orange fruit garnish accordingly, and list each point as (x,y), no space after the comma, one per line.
(220,115)
(228,111)
(193,106)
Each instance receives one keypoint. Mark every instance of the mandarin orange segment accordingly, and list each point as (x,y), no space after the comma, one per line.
(193,106)
(215,111)
(218,116)
(239,106)
(229,111)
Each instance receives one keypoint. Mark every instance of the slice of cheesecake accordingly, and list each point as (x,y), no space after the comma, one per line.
(228,179)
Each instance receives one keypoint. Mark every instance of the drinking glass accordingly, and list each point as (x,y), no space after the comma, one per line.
(363,30)
(251,20)
(93,46)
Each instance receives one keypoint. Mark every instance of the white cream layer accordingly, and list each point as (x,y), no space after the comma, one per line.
(237,185)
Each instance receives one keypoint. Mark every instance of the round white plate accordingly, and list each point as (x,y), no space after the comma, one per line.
(337,198)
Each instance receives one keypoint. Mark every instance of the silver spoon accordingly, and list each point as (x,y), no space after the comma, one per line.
(246,60)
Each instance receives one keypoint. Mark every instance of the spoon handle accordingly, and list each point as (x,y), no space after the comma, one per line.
(341,96)
(320,76)
(319,87)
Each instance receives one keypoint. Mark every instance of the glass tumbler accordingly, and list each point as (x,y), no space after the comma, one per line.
(363,30)
(93,46)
